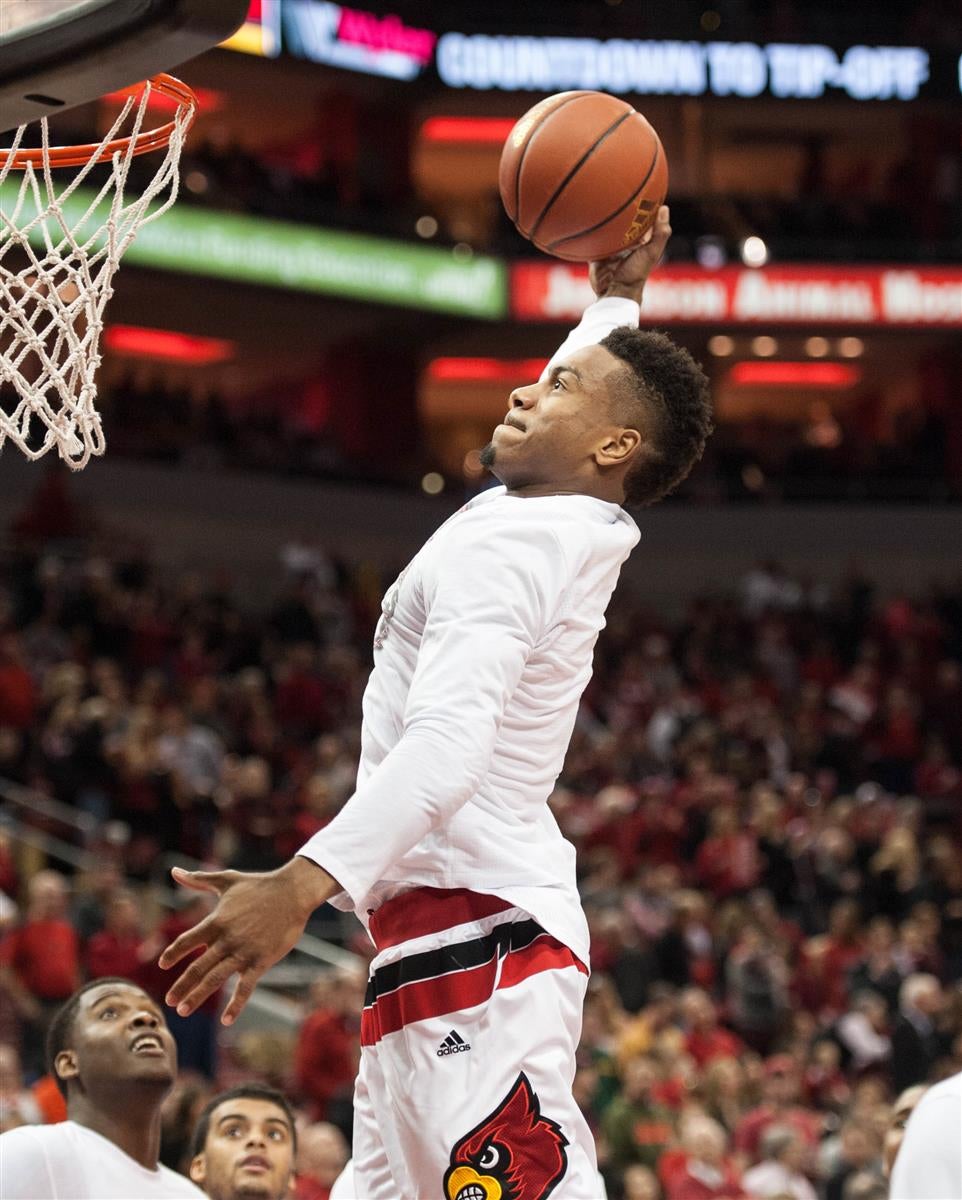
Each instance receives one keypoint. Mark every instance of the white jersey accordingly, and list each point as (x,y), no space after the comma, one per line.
(481,655)
(69,1162)
(928,1165)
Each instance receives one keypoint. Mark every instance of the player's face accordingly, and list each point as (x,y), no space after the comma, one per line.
(119,1036)
(902,1110)
(249,1152)
(557,432)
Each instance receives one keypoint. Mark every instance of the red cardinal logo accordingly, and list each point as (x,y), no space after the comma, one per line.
(514,1154)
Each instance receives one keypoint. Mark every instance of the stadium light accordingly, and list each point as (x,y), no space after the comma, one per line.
(795,374)
(137,341)
(754,252)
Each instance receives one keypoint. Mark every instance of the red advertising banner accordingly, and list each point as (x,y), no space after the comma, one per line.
(682,293)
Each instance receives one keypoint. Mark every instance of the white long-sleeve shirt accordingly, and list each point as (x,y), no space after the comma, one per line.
(70,1162)
(928,1165)
(481,655)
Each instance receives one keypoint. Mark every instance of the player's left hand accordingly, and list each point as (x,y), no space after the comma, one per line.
(626,274)
(258,919)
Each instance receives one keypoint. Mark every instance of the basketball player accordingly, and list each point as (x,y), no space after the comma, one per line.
(244,1145)
(448,851)
(928,1165)
(902,1109)
(114,1059)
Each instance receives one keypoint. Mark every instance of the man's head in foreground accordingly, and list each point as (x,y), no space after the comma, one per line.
(625,420)
(109,1048)
(244,1145)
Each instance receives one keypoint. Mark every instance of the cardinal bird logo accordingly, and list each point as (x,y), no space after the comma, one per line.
(514,1154)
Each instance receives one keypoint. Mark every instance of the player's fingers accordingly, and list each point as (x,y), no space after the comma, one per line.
(660,233)
(201,979)
(203,881)
(200,935)
(243,989)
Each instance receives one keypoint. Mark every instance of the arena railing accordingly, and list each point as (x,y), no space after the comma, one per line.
(27,815)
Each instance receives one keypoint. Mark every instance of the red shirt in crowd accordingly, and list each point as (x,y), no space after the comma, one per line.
(749,1131)
(110,954)
(712,1044)
(18,695)
(729,863)
(324,1060)
(307,1188)
(692,1187)
(46,957)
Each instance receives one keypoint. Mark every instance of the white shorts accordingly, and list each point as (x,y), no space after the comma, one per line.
(468,1039)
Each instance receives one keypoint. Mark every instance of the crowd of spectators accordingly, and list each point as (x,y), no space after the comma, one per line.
(765,796)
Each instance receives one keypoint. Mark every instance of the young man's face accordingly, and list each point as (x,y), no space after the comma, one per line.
(248,1154)
(556,428)
(119,1037)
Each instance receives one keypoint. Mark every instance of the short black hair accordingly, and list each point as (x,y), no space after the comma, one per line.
(668,383)
(60,1032)
(243,1091)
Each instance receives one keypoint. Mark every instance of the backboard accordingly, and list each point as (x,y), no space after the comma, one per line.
(56,54)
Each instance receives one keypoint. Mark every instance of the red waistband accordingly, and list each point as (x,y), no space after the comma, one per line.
(426,910)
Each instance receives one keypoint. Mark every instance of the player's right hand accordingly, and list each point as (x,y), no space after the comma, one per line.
(627,273)
(258,919)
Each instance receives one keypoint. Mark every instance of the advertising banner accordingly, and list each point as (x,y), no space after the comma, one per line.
(302,258)
(682,293)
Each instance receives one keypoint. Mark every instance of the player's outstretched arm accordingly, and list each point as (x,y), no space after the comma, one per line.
(258,918)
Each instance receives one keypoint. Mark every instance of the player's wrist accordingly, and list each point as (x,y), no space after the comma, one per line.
(623,291)
(309,883)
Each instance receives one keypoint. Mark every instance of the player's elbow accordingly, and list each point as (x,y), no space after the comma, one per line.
(457,755)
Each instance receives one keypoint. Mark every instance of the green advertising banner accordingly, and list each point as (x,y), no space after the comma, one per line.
(301,258)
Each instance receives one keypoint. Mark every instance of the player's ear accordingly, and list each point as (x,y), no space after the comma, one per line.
(65,1065)
(618,447)
(198,1169)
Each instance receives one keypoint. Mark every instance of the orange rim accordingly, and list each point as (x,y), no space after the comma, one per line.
(145,141)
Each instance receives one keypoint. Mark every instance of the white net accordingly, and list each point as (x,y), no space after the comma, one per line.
(60,244)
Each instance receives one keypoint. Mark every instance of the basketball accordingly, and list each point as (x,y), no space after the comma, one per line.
(582,175)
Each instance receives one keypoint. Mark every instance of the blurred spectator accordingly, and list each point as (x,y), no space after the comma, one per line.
(40,963)
(325,1060)
(635,1128)
(916,1041)
(18,1105)
(706,1173)
(781,1170)
(757,984)
(706,1040)
(863,1031)
(780,1105)
(859,1150)
(322,1153)
(116,949)
(95,890)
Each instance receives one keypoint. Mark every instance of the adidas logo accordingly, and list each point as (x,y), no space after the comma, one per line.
(454,1043)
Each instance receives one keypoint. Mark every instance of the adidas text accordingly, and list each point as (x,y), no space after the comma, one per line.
(453,1044)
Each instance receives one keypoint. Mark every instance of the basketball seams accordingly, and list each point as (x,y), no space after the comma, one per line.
(524,150)
(599,141)
(571,237)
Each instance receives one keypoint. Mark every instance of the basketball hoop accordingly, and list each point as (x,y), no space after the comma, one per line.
(59,250)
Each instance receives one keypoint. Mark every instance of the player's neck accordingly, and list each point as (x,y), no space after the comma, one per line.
(137,1134)
(610,494)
